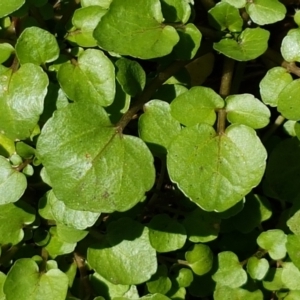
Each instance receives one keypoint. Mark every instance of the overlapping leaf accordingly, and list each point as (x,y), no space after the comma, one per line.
(290,46)
(8,7)
(91,166)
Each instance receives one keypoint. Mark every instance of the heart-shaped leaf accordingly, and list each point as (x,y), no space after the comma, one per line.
(123,31)
(216,171)
(91,166)
(257,268)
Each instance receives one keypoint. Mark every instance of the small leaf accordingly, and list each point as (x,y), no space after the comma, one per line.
(293,248)
(200,259)
(159,282)
(37,46)
(7,146)
(294,223)
(25,282)
(143,37)
(274,242)
(86,81)
(166,234)
(228,293)
(8,7)
(290,276)
(273,280)
(290,46)
(230,165)
(90,165)
(175,11)
(157,127)
(264,12)
(184,277)
(230,272)
(5,51)
(22,98)
(198,105)
(273,83)
(125,256)
(12,182)
(250,44)
(70,234)
(289,101)
(236,3)
(225,16)
(257,268)
(246,109)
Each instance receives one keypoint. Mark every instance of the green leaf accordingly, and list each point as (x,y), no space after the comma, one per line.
(273,241)
(290,46)
(167,92)
(85,21)
(157,127)
(159,282)
(264,12)
(8,7)
(198,105)
(289,101)
(13,217)
(200,259)
(184,277)
(90,165)
(216,171)
(257,268)
(5,51)
(77,219)
(57,246)
(25,282)
(166,234)
(290,276)
(2,281)
(225,16)
(125,256)
(273,83)
(293,295)
(102,3)
(189,43)
(250,44)
(273,280)
(70,234)
(85,81)
(131,76)
(37,46)
(246,109)
(7,146)
(175,11)
(228,293)
(201,226)
(143,37)
(293,248)
(22,96)
(293,223)
(236,3)
(230,272)
(12,182)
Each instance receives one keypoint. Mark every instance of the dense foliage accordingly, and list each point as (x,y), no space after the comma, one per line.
(149,149)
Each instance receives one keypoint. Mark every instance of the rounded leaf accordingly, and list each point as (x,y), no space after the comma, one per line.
(159,282)
(143,37)
(125,256)
(5,51)
(228,293)
(10,6)
(176,10)
(291,276)
(290,46)
(293,248)
(37,46)
(216,171)
(236,3)
(91,166)
(257,268)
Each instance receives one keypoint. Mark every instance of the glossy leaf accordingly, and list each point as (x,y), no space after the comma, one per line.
(37,46)
(198,105)
(22,96)
(5,51)
(157,127)
(230,272)
(166,234)
(7,146)
(70,234)
(274,242)
(225,16)
(225,164)
(98,166)
(32,284)
(125,256)
(8,7)
(141,37)
(257,268)
(200,259)
(250,44)
(264,12)
(228,293)
(100,86)
(273,83)
(102,3)
(12,182)
(84,22)
(13,217)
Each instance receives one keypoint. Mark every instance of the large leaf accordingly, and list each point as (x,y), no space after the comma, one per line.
(125,256)
(216,171)
(25,282)
(90,79)
(123,31)
(22,96)
(12,182)
(250,44)
(10,6)
(91,166)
